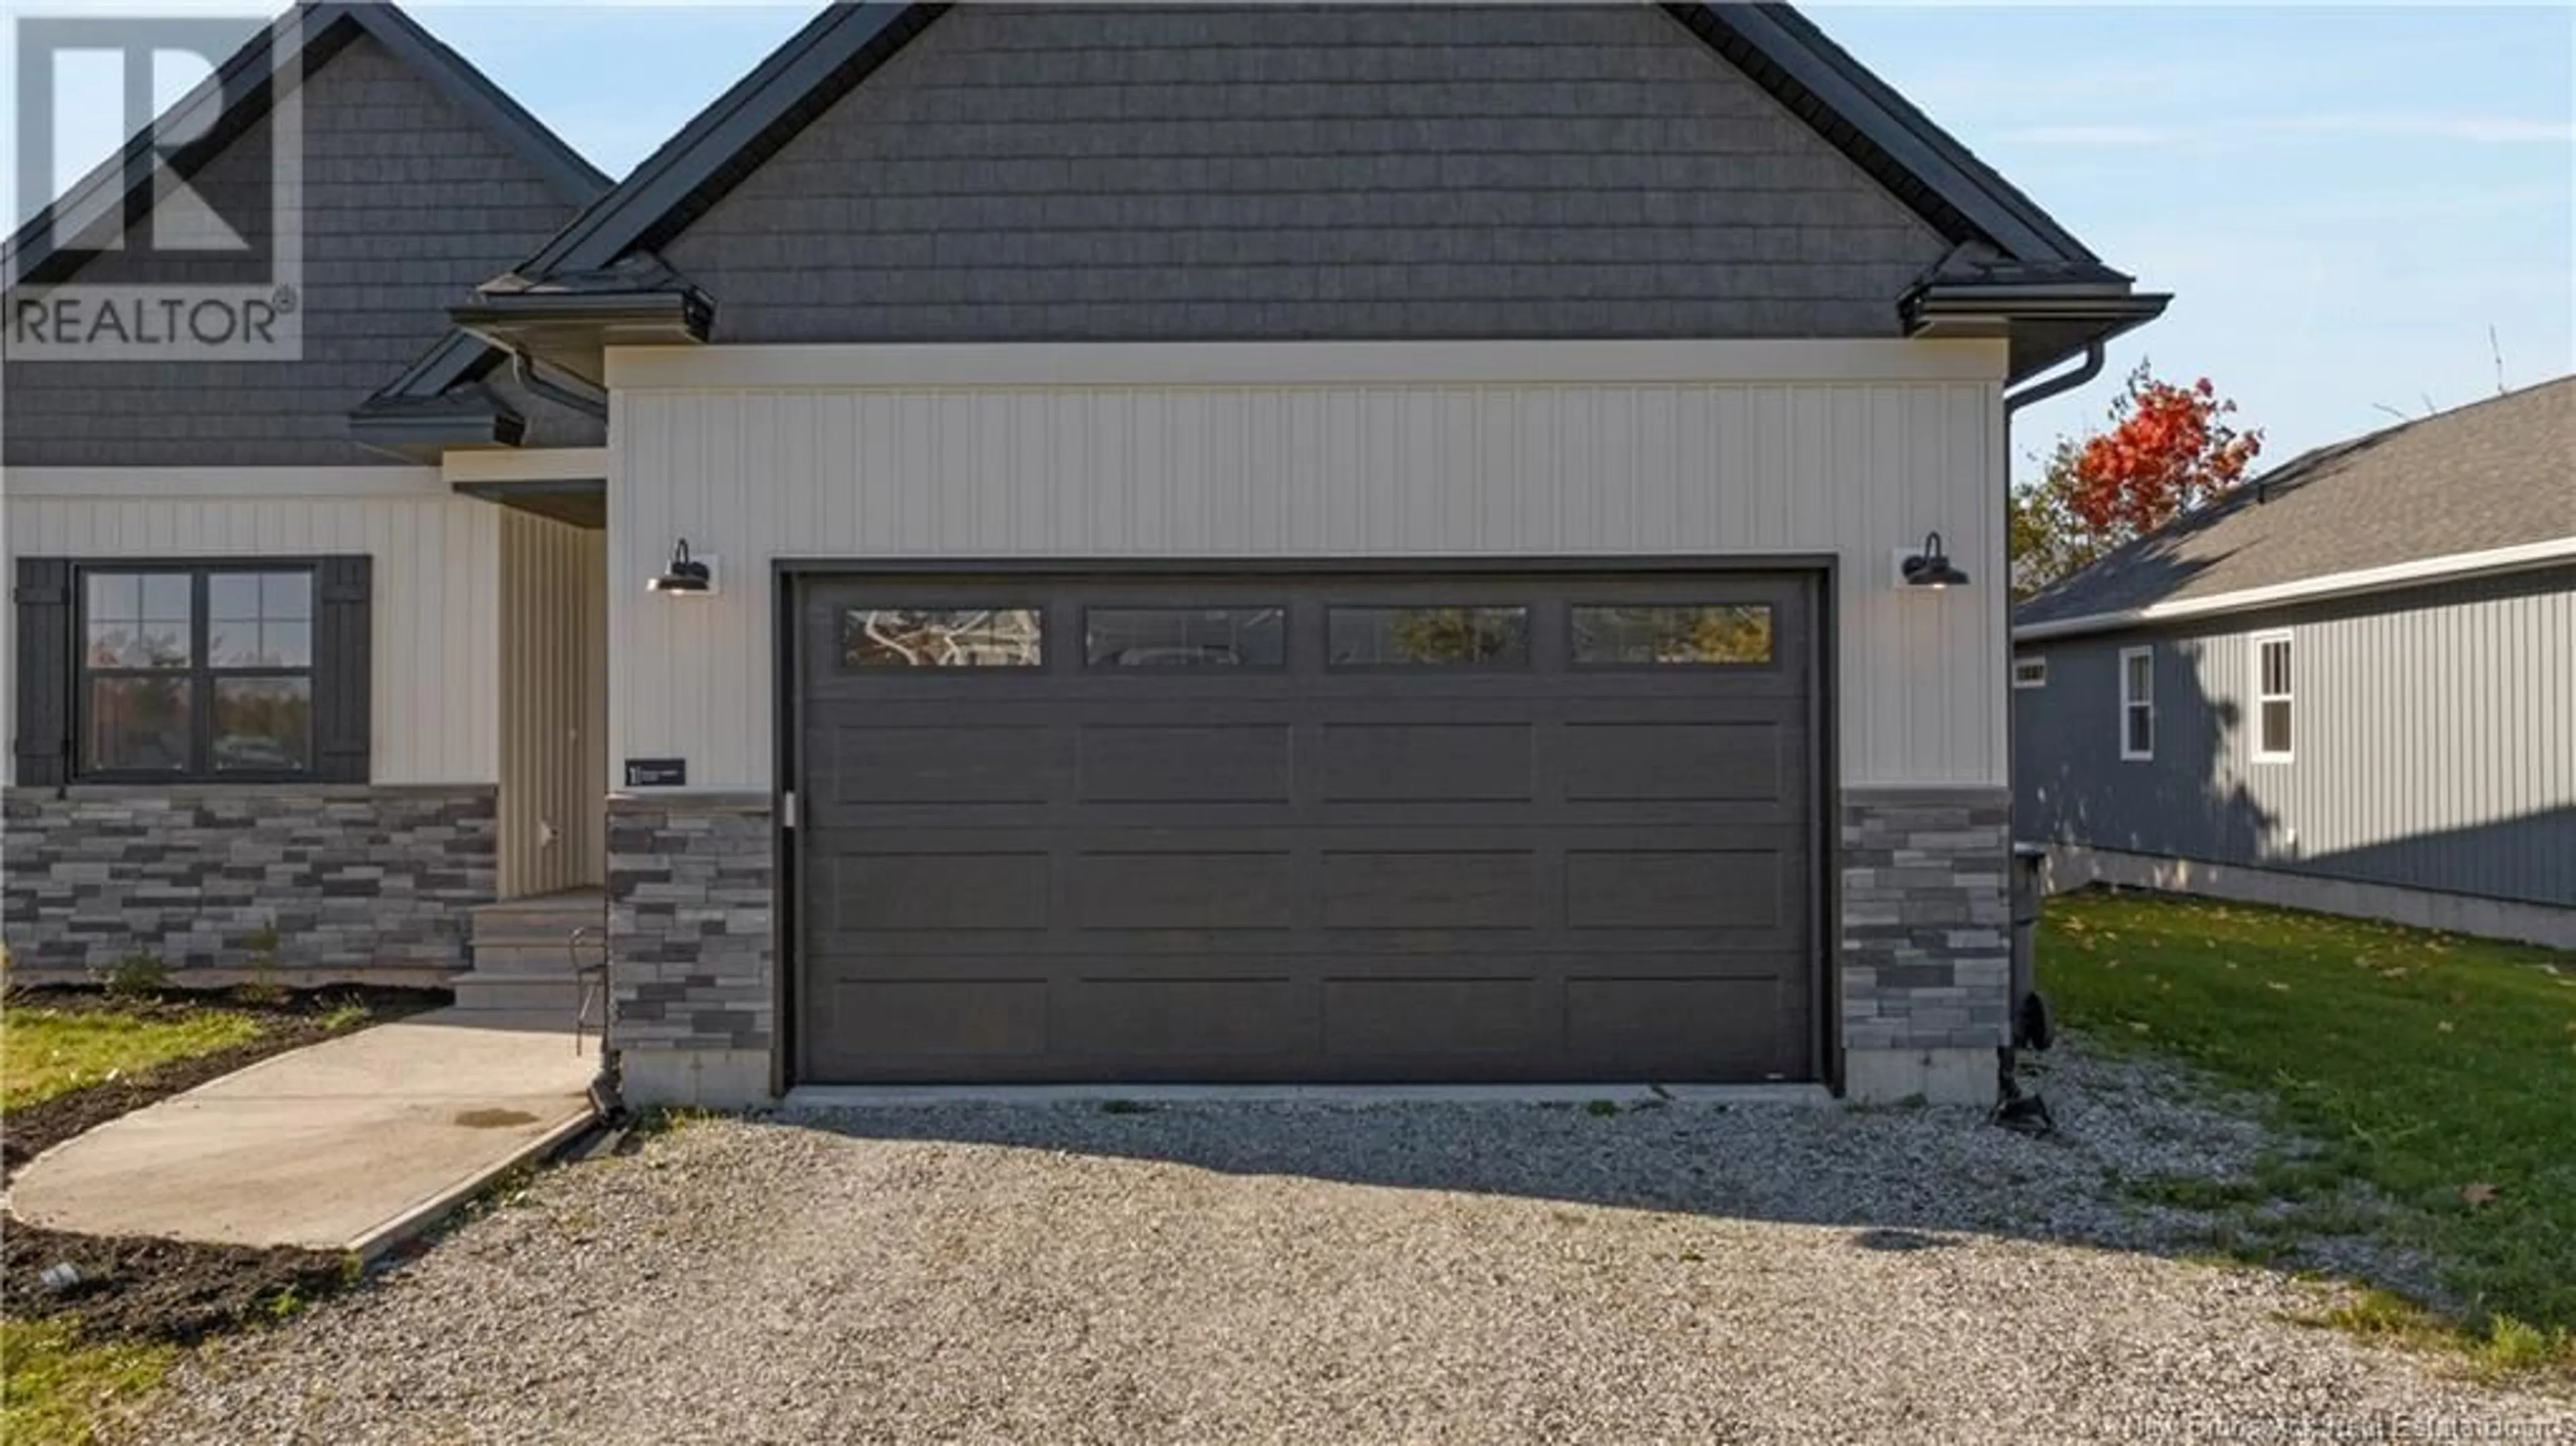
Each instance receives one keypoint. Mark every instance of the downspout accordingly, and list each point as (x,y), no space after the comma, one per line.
(524,367)
(2030,1021)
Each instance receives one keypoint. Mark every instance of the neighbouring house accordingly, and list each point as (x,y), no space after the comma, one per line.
(2348,686)
(1193,543)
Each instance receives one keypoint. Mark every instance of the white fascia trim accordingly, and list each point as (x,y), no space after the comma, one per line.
(218,482)
(536,464)
(1333,363)
(2519,557)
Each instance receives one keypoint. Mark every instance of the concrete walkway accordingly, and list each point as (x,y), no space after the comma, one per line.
(350,1144)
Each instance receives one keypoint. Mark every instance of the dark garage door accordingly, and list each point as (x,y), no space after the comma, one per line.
(1534,826)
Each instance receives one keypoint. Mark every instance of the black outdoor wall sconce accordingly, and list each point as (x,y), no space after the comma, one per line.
(686,576)
(1931,567)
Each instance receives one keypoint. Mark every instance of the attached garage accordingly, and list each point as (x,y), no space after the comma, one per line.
(1525,825)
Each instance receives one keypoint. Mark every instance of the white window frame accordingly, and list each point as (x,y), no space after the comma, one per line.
(2129,704)
(2037,677)
(2255,645)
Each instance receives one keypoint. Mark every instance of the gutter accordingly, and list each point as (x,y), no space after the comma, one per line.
(2055,386)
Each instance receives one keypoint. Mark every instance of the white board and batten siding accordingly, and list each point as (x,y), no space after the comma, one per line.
(554,700)
(1320,451)
(436,598)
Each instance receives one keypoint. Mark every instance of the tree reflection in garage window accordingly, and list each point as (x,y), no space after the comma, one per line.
(1670,635)
(942,638)
(1366,637)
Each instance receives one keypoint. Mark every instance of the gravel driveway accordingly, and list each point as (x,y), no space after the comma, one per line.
(1317,1274)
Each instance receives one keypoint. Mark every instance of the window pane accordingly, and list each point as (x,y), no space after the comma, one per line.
(137,725)
(286,595)
(138,645)
(138,620)
(1185,637)
(232,596)
(942,638)
(115,596)
(2276,726)
(1665,635)
(2142,677)
(259,645)
(1465,636)
(2142,730)
(263,725)
(2276,667)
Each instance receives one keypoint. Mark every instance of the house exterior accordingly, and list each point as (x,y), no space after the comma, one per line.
(2346,687)
(1196,543)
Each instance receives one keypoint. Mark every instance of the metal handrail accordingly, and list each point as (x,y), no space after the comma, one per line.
(594,984)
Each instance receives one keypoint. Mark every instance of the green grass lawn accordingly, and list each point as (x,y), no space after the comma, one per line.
(58,1388)
(55,1386)
(46,1052)
(2439,1070)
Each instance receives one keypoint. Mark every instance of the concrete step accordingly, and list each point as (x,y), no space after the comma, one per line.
(557,994)
(549,957)
(546,928)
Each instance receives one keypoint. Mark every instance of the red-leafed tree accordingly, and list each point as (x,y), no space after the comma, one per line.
(2166,450)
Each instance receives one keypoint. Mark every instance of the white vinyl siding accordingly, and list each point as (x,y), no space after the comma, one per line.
(2273,725)
(2137,704)
(1258,468)
(435,590)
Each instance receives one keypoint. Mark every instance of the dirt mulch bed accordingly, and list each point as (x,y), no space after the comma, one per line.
(163,1290)
(291,1023)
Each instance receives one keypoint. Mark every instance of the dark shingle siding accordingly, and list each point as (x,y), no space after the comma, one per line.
(1350,171)
(409,203)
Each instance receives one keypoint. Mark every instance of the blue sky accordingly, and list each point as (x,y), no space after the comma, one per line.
(2343,200)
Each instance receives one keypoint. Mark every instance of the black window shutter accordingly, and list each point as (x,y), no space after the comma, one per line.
(44,721)
(343,670)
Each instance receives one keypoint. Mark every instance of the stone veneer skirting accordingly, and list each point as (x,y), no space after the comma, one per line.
(690,880)
(354,879)
(1926,918)
(1924,931)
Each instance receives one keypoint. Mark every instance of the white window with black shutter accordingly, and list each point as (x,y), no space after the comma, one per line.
(249,670)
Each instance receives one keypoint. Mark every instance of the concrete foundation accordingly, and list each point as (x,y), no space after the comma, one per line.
(1934,1076)
(2074,866)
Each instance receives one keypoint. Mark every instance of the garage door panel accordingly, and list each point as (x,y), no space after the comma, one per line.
(1230,892)
(1220,857)
(917,890)
(1202,763)
(1672,889)
(1169,1019)
(1668,1022)
(1430,889)
(1430,761)
(1609,762)
(949,763)
(950,1022)
(1380,1017)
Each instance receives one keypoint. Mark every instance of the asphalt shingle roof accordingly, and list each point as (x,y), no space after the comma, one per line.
(2497,473)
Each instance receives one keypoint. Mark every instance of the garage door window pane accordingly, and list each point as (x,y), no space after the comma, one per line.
(1185,637)
(942,638)
(1688,635)
(1361,637)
